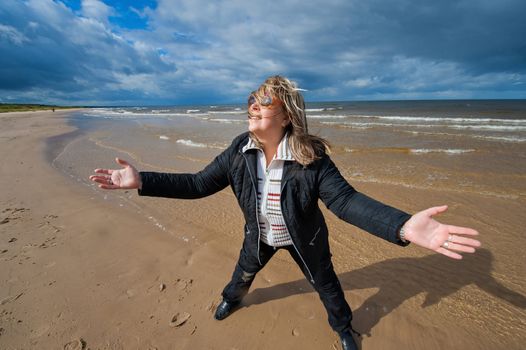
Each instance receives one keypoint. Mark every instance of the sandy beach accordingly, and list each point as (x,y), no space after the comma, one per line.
(82,268)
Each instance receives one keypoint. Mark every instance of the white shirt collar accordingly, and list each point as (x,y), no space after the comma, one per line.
(283,152)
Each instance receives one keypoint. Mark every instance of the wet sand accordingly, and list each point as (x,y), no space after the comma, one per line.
(110,270)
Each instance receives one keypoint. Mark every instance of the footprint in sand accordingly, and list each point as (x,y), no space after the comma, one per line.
(40,331)
(184,284)
(213,305)
(11,214)
(48,223)
(51,264)
(77,344)
(179,319)
(11,298)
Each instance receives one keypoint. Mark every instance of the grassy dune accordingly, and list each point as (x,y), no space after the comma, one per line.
(28,107)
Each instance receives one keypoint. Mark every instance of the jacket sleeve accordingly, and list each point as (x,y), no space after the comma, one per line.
(213,178)
(356,208)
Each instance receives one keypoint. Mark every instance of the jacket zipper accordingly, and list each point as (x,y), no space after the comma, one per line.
(255,192)
(294,244)
(285,221)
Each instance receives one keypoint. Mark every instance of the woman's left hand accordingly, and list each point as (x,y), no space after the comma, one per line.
(426,232)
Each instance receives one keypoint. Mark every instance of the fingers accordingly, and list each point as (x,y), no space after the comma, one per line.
(435,210)
(122,162)
(460,244)
(109,187)
(99,179)
(449,253)
(103,171)
(462,230)
(459,248)
(104,181)
(465,241)
(119,161)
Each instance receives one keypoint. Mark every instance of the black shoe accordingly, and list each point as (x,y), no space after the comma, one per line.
(347,340)
(225,309)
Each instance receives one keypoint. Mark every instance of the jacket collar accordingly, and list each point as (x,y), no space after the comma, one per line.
(283,152)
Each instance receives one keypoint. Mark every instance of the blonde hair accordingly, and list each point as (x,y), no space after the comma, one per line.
(305,148)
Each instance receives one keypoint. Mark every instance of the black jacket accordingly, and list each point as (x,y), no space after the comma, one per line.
(301,187)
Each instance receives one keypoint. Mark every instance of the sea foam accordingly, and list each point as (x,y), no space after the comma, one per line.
(191,143)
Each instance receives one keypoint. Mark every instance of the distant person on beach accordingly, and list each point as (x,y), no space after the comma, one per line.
(278,171)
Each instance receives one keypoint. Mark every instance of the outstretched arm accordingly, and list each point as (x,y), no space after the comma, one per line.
(387,222)
(449,240)
(112,179)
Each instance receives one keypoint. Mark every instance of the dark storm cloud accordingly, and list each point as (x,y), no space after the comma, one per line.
(337,50)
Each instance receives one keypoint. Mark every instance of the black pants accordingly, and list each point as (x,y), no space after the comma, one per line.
(325,283)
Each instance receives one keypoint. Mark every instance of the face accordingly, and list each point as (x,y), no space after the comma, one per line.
(266,117)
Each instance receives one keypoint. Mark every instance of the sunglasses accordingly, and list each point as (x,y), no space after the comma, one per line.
(266,101)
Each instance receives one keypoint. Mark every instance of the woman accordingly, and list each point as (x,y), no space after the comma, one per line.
(278,171)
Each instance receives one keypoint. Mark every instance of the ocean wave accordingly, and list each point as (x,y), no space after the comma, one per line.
(129,114)
(233,111)
(452,119)
(407,150)
(501,138)
(365,125)
(489,127)
(108,111)
(327,116)
(362,126)
(191,143)
(121,113)
(227,121)
(328,109)
(481,137)
(448,151)
(163,137)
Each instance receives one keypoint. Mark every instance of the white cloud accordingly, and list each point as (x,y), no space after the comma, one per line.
(97,10)
(11,34)
(362,82)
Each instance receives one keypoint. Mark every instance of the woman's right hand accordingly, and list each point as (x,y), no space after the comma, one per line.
(112,179)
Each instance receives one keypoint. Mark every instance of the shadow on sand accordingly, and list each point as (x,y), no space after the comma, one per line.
(400,279)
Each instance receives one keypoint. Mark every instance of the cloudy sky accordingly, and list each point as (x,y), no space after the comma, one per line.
(146,52)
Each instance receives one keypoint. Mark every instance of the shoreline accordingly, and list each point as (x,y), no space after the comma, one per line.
(84,267)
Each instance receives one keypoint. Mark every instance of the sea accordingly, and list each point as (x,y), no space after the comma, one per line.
(476,146)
